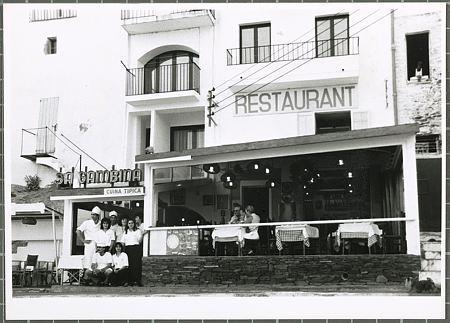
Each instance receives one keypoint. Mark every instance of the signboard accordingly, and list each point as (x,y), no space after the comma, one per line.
(296,100)
(123,191)
(100,176)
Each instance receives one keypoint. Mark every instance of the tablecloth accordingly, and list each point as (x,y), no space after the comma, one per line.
(291,233)
(228,234)
(369,231)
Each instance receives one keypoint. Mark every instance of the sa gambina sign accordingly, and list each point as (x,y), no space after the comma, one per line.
(296,100)
(100,176)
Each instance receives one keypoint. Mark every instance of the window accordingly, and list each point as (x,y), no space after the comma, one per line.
(172,71)
(417,55)
(333,122)
(50,46)
(255,43)
(332,36)
(186,137)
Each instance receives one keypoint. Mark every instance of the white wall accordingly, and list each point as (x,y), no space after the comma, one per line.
(85,73)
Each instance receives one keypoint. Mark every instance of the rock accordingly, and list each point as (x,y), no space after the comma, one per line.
(381,279)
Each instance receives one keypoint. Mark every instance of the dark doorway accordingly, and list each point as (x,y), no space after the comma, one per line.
(259,198)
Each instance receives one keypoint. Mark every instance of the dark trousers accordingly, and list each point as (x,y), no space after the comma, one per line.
(120,277)
(134,253)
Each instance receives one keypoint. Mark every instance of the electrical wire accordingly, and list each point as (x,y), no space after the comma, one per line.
(297,66)
(291,62)
(295,40)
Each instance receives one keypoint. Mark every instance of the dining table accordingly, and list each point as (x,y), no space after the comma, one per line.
(295,233)
(358,230)
(228,234)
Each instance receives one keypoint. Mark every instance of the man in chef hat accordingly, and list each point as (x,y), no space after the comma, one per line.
(86,233)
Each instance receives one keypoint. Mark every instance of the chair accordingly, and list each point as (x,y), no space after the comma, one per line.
(30,269)
(72,265)
(18,273)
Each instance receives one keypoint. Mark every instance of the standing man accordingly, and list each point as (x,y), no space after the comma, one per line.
(115,227)
(86,233)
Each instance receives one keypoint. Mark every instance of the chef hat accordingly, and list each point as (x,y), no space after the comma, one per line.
(96,210)
(113,213)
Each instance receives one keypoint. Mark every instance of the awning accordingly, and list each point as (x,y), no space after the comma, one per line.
(336,137)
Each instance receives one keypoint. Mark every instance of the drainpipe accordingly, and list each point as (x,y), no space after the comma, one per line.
(394,75)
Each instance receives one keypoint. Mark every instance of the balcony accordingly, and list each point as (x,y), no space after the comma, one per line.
(149,21)
(164,82)
(428,146)
(46,14)
(37,142)
(293,51)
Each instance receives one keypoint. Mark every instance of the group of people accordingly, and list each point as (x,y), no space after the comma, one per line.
(246,216)
(112,252)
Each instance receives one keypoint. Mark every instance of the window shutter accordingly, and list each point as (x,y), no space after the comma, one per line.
(48,115)
(360,120)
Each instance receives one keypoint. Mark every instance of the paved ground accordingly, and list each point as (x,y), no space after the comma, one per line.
(220,290)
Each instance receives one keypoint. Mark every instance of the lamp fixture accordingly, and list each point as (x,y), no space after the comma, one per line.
(267,170)
(272,183)
(350,174)
(341,162)
(254,167)
(229,185)
(227,177)
(211,168)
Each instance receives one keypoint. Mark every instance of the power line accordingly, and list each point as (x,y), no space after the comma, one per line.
(296,66)
(288,63)
(338,14)
(83,151)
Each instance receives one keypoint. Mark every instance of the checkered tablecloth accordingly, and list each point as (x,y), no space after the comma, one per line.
(228,234)
(295,233)
(368,231)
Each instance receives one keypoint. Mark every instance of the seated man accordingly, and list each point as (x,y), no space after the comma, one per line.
(101,268)
(251,232)
(238,215)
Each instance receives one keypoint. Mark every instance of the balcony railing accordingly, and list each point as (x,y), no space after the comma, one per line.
(47,14)
(432,146)
(37,142)
(132,14)
(162,79)
(293,51)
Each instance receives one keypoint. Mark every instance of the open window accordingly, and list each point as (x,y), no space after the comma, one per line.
(418,56)
(333,122)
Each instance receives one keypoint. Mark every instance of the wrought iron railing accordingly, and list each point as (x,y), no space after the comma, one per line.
(37,142)
(293,51)
(51,14)
(132,14)
(433,146)
(163,78)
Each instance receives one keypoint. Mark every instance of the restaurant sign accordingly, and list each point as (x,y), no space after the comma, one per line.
(100,176)
(296,100)
(123,191)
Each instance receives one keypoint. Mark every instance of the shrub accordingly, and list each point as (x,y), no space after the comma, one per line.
(32,182)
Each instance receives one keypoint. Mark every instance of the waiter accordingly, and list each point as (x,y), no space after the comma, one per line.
(86,233)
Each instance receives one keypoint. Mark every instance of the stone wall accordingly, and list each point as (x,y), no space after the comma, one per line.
(188,270)
(419,101)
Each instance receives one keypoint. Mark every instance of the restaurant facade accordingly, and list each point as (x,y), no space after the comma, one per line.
(233,107)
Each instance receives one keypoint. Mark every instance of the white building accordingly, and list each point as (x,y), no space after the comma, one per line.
(312,93)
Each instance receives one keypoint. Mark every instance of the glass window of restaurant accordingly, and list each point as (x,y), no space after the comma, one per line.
(326,187)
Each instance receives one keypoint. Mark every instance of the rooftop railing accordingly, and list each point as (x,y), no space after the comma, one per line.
(51,14)
(293,51)
(132,14)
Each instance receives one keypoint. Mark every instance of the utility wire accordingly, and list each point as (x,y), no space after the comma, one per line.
(291,62)
(83,151)
(63,142)
(295,40)
(296,66)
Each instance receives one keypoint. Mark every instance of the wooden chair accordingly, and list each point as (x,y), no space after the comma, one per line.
(30,269)
(18,273)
